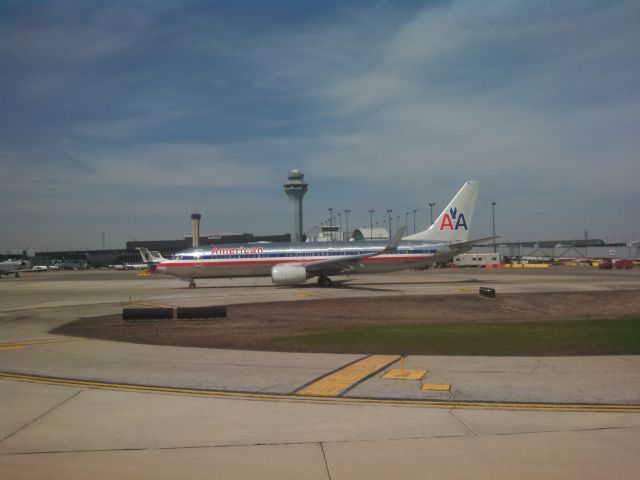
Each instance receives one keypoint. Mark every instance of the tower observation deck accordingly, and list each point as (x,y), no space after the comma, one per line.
(295,189)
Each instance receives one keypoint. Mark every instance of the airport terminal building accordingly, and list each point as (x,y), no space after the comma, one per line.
(129,254)
(556,249)
(169,247)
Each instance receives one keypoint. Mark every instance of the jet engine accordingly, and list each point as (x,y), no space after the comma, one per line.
(288,274)
(444,254)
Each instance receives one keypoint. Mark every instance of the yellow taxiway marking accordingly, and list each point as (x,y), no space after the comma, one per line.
(399,373)
(448,404)
(338,382)
(27,343)
(11,347)
(465,289)
(305,294)
(436,387)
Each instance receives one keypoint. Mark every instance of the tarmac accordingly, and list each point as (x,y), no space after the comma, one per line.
(76,408)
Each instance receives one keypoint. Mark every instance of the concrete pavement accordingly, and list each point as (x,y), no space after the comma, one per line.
(82,432)
(600,379)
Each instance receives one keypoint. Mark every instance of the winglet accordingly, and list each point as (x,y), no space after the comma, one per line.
(392,246)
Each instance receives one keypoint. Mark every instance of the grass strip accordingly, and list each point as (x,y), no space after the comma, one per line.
(564,337)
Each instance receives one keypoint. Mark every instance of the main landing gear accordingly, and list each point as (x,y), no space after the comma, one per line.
(324,281)
(192,284)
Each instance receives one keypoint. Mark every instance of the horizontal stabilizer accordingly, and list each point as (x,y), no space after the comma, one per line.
(474,242)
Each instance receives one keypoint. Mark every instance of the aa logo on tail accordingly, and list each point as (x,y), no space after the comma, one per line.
(449,218)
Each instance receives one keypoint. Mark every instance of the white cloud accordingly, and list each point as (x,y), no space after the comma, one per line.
(174,165)
(504,89)
(378,104)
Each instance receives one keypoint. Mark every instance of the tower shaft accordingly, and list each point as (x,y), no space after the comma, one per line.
(195,229)
(295,189)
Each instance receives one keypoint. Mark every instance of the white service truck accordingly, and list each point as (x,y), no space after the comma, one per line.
(477,259)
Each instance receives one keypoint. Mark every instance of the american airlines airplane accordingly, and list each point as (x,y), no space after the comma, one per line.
(295,263)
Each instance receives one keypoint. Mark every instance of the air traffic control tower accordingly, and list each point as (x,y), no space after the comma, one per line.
(295,189)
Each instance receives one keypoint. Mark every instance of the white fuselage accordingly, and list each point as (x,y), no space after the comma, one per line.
(11,266)
(255,260)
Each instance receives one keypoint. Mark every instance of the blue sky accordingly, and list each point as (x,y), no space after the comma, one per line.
(125,117)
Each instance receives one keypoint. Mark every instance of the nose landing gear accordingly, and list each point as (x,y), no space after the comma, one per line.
(192,284)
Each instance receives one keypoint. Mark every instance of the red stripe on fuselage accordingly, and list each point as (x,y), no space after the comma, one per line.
(276,261)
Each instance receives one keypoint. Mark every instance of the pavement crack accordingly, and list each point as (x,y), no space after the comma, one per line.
(570,430)
(467,427)
(41,416)
(226,445)
(293,443)
(326,463)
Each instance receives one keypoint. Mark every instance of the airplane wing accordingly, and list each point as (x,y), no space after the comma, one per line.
(450,250)
(341,264)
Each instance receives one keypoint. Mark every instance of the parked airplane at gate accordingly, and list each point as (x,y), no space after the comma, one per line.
(294,263)
(14,267)
(151,258)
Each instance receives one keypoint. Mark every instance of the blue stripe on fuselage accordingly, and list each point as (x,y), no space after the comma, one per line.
(288,250)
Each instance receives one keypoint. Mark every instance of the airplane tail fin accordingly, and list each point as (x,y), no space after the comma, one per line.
(144,253)
(453,224)
(150,257)
(157,257)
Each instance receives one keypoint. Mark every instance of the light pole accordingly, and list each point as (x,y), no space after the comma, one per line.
(431,205)
(340,223)
(389,213)
(493,220)
(331,222)
(414,220)
(371,224)
(347,212)
(406,220)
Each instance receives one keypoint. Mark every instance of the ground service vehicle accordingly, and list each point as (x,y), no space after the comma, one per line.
(624,264)
(605,265)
